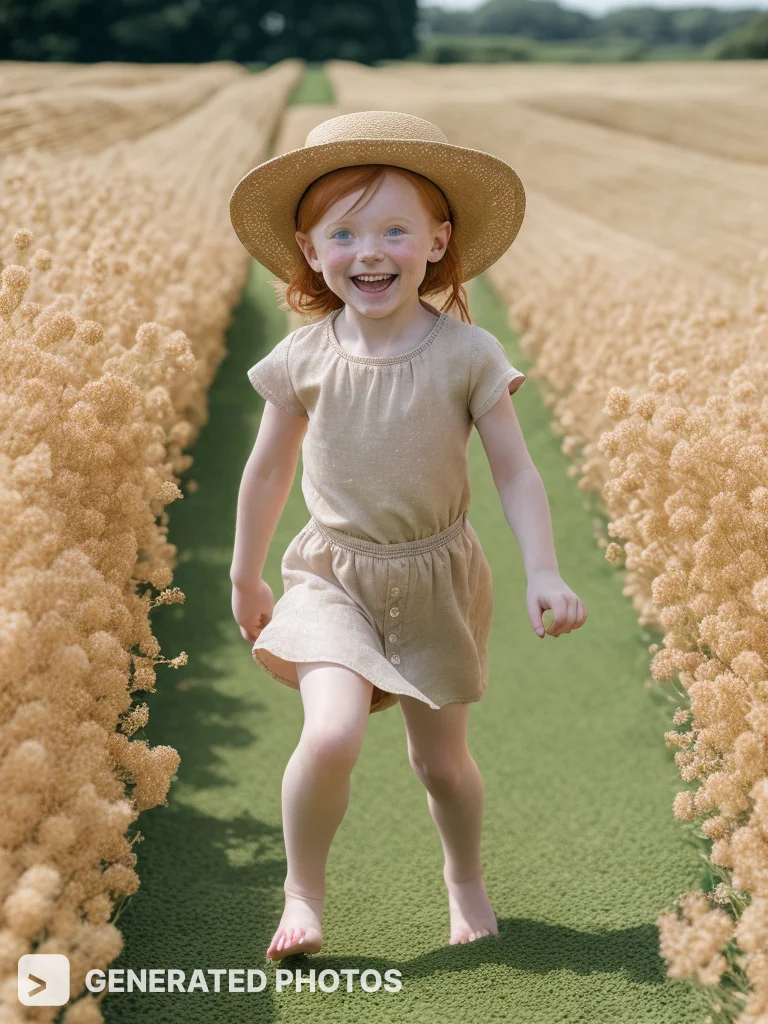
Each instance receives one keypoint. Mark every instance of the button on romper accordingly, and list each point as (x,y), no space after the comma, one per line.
(388,577)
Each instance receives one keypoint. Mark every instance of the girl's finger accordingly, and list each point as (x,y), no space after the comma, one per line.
(547,619)
(560,612)
(573,612)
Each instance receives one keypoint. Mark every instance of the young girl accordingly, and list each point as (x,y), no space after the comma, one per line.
(388,593)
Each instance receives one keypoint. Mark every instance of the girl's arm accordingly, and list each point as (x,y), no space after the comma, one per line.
(519,485)
(267,480)
(526,509)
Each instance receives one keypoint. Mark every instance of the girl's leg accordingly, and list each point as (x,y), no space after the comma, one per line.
(315,795)
(438,752)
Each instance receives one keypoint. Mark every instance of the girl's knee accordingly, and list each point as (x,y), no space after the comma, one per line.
(440,776)
(331,748)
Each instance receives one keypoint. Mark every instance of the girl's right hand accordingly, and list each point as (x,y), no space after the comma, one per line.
(252,608)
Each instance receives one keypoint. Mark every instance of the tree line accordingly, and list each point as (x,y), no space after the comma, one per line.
(368,31)
(546,20)
(190,31)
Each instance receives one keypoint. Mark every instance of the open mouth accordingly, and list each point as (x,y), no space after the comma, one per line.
(374,282)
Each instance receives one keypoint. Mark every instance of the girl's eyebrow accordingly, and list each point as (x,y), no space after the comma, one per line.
(351,220)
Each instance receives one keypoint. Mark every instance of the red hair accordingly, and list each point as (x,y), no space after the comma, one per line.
(307,293)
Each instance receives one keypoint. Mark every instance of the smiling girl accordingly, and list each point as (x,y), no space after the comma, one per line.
(388,596)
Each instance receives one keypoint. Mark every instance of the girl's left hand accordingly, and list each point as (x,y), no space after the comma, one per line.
(546,589)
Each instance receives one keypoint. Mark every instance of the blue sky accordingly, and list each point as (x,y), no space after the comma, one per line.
(599,6)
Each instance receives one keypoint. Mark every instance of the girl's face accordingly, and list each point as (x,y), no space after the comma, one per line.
(389,234)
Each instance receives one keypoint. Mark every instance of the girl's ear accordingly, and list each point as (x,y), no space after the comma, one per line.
(304,242)
(440,243)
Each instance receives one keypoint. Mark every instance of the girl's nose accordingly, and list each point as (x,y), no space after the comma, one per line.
(369,250)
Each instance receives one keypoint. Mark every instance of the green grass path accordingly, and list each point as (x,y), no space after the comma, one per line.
(580,847)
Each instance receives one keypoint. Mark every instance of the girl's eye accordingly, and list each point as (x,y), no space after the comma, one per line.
(344,231)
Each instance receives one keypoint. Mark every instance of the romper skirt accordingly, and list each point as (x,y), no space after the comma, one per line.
(413,618)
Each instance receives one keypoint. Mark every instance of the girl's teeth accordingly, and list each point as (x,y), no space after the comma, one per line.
(379,283)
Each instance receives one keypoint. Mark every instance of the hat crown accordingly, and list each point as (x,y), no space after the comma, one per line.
(375,124)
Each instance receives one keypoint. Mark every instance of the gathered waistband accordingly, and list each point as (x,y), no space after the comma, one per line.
(370,547)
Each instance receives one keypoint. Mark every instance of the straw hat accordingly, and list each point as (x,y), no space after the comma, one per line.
(485,195)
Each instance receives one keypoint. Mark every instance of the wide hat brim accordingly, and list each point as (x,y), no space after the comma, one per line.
(485,195)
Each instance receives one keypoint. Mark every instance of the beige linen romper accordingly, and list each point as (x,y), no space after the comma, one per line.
(388,577)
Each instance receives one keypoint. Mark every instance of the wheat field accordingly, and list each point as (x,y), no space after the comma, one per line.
(119,274)
(639,288)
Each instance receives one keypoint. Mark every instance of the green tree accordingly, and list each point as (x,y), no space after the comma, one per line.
(201,30)
(750,42)
(536,19)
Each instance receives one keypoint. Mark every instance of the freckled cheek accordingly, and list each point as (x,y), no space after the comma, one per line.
(408,258)
(337,263)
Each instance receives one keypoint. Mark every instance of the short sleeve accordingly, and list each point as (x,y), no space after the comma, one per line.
(490,374)
(271,378)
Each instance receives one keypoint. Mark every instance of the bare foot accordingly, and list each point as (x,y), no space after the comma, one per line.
(471,912)
(299,930)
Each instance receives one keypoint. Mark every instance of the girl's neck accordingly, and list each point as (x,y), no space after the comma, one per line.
(391,335)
